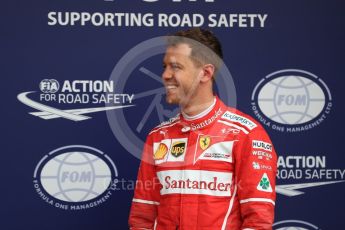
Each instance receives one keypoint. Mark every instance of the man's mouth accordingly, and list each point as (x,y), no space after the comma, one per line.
(169,87)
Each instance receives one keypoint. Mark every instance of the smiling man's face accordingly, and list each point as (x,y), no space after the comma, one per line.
(181,75)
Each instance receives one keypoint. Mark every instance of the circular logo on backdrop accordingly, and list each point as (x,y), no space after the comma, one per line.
(291,100)
(75,177)
(138,69)
(294,225)
(49,86)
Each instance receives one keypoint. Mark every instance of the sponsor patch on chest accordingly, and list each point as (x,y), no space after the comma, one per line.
(170,150)
(220,151)
(199,182)
(233,117)
(256,144)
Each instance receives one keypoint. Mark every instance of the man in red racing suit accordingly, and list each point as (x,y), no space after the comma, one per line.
(213,170)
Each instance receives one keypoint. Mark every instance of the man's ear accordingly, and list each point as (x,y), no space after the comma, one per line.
(207,72)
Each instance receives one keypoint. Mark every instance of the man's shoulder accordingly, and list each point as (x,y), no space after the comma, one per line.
(166,124)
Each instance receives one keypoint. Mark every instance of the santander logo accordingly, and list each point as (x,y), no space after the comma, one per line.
(195,182)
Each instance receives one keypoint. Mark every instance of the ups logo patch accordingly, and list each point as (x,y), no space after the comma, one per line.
(178,148)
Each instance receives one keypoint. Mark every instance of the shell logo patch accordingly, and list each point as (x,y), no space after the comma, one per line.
(161,151)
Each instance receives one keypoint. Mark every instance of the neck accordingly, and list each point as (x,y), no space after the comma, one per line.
(201,114)
(197,105)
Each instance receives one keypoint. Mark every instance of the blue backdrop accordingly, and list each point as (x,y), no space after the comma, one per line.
(64,61)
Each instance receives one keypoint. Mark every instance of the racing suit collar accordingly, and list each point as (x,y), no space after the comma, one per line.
(200,115)
(203,121)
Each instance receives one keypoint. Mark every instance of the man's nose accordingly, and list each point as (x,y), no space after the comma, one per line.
(167,74)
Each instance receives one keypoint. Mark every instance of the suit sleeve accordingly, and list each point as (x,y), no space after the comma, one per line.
(255,174)
(146,195)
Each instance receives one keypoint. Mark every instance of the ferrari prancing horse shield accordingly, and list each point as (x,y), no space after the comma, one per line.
(204,142)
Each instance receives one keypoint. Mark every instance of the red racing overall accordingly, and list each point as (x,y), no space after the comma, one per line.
(214,172)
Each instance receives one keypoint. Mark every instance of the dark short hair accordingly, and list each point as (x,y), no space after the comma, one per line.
(206,48)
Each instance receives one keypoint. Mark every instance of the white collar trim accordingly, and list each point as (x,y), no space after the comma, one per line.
(200,115)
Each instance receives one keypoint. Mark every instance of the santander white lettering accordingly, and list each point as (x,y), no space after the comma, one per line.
(207,121)
(200,182)
(190,184)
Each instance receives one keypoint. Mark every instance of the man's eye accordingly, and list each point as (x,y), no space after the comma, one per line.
(175,67)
